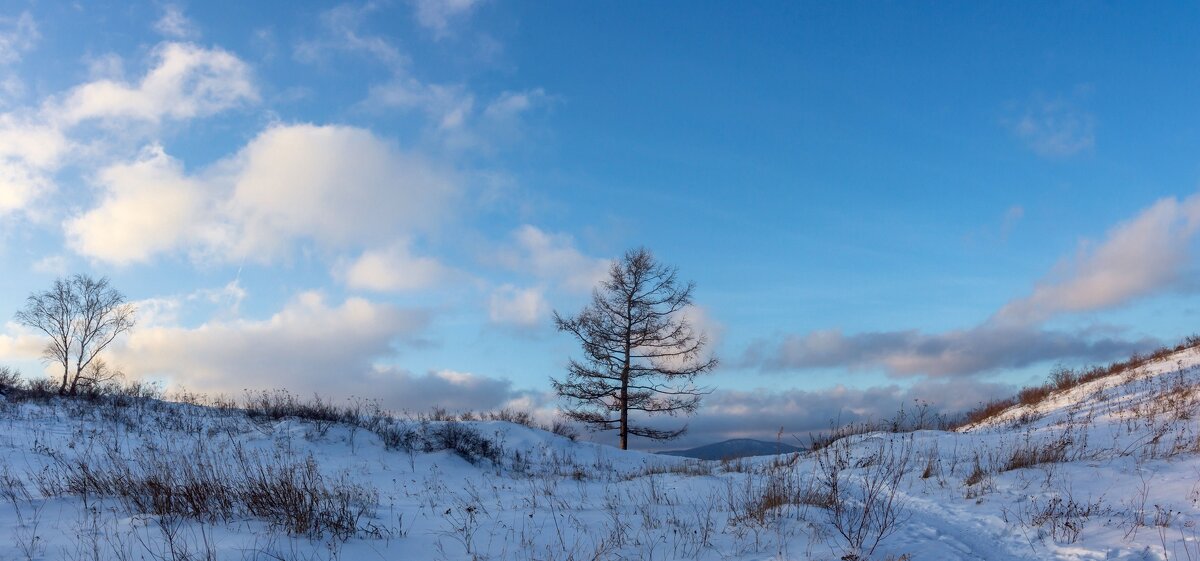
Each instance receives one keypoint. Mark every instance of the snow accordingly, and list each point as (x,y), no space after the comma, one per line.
(1118,478)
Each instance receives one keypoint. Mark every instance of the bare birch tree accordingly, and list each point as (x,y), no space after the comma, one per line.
(82,316)
(641,353)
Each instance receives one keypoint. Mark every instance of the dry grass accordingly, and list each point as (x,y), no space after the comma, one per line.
(1062,379)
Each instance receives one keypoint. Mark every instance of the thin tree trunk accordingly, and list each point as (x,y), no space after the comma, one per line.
(625,407)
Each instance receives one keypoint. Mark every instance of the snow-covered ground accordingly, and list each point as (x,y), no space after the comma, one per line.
(1105,470)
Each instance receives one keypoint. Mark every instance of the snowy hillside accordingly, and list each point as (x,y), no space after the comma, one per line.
(1104,470)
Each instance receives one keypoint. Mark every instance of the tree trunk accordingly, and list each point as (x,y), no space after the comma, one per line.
(62,388)
(625,407)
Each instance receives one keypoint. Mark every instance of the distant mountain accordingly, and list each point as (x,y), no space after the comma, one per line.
(735,448)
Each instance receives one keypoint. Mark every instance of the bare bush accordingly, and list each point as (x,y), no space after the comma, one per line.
(10,379)
(210,485)
(1058,516)
(865,502)
(1032,454)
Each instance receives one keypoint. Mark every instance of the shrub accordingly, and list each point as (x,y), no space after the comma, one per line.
(10,379)
(464,441)
(1033,454)
(210,484)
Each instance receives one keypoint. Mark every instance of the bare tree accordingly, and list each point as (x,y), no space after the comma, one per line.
(640,352)
(82,316)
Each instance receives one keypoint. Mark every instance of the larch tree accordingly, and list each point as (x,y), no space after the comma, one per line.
(640,351)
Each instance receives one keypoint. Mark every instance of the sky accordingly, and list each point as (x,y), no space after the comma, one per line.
(879,203)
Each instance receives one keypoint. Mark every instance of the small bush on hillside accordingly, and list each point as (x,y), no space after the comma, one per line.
(218,484)
(10,379)
(1033,454)
(464,441)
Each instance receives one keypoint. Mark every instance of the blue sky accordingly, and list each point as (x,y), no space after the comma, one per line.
(878,202)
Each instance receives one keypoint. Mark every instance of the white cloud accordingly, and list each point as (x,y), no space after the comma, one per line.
(1056,128)
(337,187)
(17,36)
(1146,255)
(703,327)
(437,15)
(511,105)
(448,106)
(393,269)
(20,186)
(553,257)
(524,307)
(175,24)
(55,265)
(1143,256)
(29,152)
(309,345)
(952,353)
(342,33)
(149,206)
(457,120)
(186,81)
(19,343)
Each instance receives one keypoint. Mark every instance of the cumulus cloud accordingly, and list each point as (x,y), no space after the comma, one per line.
(310,346)
(553,257)
(185,82)
(1139,257)
(29,153)
(334,186)
(19,343)
(307,341)
(1056,128)
(393,269)
(524,307)
(149,206)
(338,185)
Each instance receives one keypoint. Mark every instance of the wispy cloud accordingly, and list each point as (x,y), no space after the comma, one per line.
(18,35)
(342,32)
(953,353)
(1055,128)
(175,24)
(438,15)
(1144,256)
